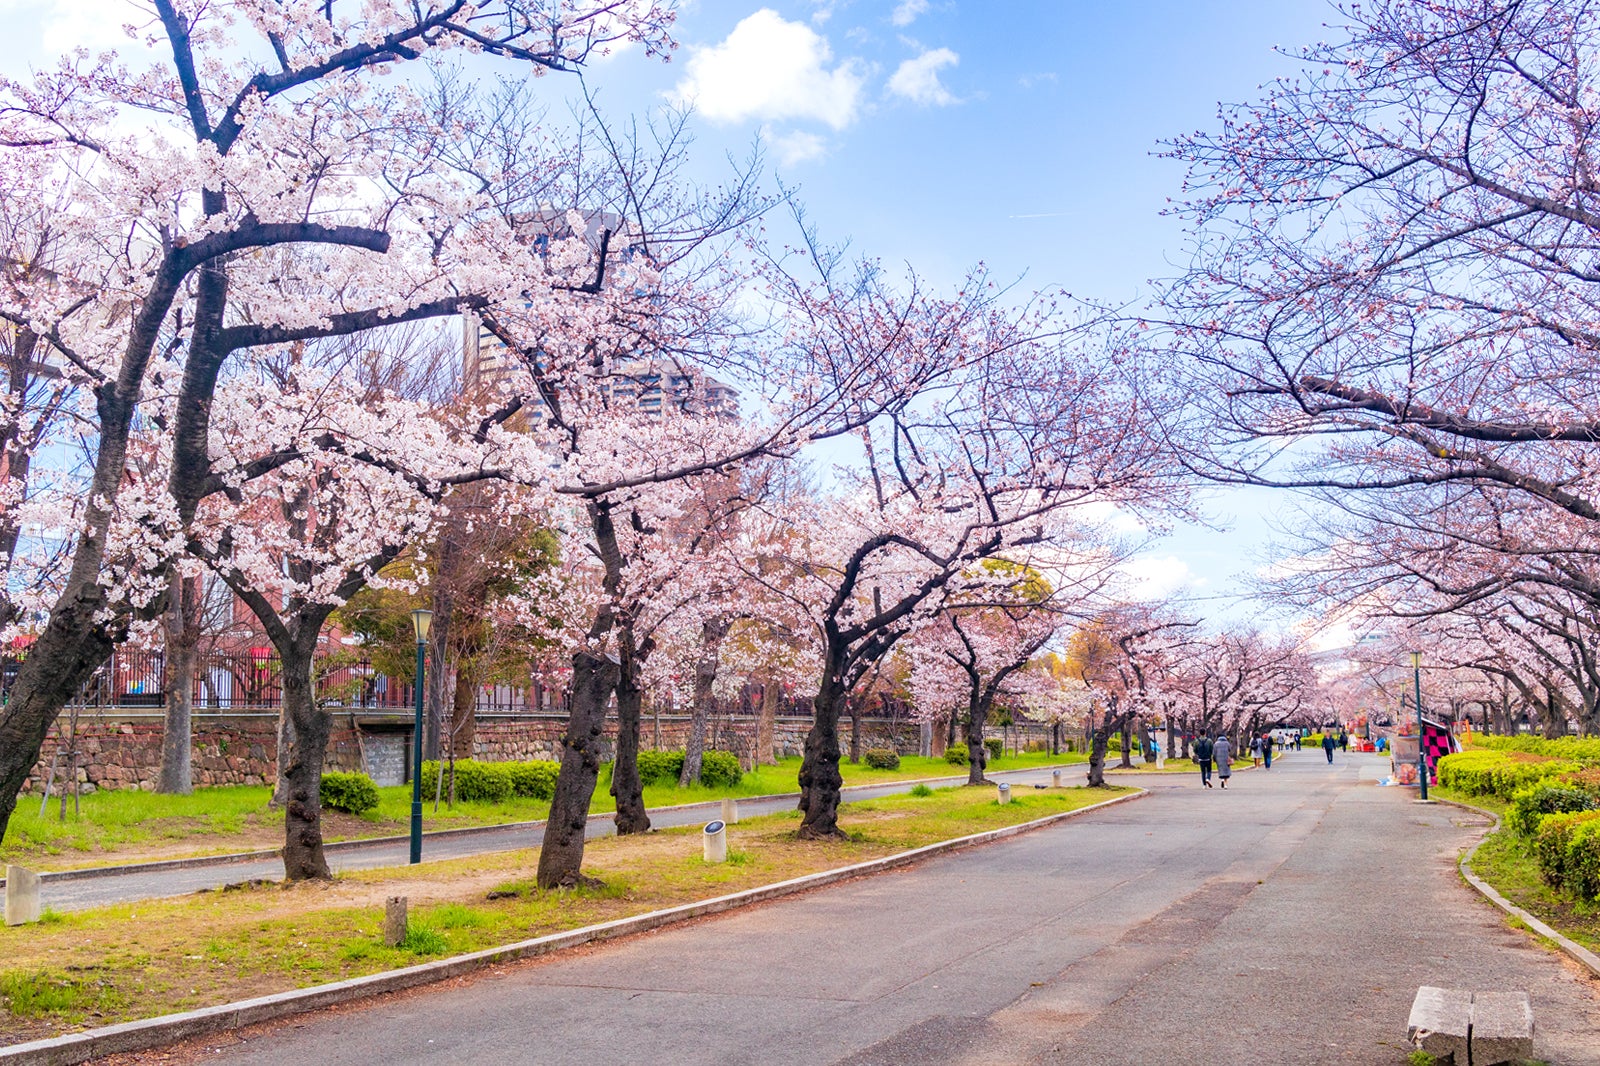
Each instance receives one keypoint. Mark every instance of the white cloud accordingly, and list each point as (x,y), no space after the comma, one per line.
(1154,578)
(907,11)
(772,69)
(797,146)
(918,79)
(62,26)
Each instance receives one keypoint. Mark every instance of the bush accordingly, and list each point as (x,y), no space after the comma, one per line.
(476,782)
(534,780)
(996,746)
(956,754)
(1497,773)
(1033,746)
(1530,805)
(881,758)
(719,769)
(1550,844)
(660,766)
(921,790)
(1581,749)
(352,793)
(1583,861)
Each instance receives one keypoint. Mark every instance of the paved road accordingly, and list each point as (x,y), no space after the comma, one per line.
(130,884)
(1287,920)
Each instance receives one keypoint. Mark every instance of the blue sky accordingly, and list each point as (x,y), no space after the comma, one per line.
(943,133)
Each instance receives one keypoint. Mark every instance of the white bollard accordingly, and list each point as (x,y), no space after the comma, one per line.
(715,839)
(1055,778)
(730,810)
(1005,793)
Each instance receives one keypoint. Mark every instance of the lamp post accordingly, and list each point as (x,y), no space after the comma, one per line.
(1422,756)
(421,622)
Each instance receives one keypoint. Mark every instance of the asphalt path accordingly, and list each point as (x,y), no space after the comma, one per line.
(98,888)
(1288,919)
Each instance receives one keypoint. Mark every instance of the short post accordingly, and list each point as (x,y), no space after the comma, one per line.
(1055,778)
(394,921)
(715,841)
(730,810)
(22,896)
(1005,793)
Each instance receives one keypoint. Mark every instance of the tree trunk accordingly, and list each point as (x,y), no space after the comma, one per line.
(182,644)
(855,731)
(303,857)
(561,856)
(625,784)
(464,709)
(437,678)
(766,723)
(820,781)
(712,632)
(1099,740)
(280,794)
(977,754)
(1127,745)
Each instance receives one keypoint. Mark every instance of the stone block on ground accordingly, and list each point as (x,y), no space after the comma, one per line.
(730,810)
(22,896)
(1502,1028)
(394,921)
(1439,1023)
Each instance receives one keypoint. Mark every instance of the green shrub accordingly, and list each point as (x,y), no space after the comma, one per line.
(1497,773)
(720,769)
(996,746)
(956,754)
(1531,803)
(476,782)
(1550,844)
(660,766)
(534,780)
(352,793)
(1581,749)
(881,758)
(921,790)
(1033,746)
(1582,867)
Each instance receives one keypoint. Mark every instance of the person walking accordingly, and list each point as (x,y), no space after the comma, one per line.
(1344,741)
(1222,751)
(1327,746)
(1266,749)
(1255,751)
(1202,758)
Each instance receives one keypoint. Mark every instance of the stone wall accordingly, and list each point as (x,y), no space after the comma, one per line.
(120,750)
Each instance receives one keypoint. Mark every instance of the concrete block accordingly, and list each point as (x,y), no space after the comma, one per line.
(394,921)
(730,810)
(714,840)
(22,896)
(1502,1028)
(1440,1022)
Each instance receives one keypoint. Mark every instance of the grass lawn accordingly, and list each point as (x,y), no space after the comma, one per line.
(120,963)
(132,826)
(1174,766)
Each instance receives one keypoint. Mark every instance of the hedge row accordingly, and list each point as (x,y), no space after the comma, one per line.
(1583,749)
(1568,850)
(1497,773)
(718,769)
(496,782)
(353,793)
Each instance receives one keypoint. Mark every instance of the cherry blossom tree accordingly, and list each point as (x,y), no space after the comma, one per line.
(253,127)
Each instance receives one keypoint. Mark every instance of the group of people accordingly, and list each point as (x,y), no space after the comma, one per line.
(1209,752)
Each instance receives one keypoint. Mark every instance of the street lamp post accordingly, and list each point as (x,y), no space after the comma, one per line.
(1422,755)
(421,622)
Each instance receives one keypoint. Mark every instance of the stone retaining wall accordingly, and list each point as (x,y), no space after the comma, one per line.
(118,750)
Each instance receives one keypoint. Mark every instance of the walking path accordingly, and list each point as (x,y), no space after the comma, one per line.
(81,889)
(1288,920)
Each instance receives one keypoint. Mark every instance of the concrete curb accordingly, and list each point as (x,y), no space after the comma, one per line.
(1576,951)
(169,1029)
(230,858)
